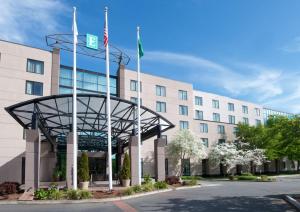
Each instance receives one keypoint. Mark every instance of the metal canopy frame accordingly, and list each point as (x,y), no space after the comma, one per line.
(53,115)
(65,42)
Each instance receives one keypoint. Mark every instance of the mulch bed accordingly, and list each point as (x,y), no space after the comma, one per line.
(106,194)
(10,196)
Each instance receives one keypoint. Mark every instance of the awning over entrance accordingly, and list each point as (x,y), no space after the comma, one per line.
(53,115)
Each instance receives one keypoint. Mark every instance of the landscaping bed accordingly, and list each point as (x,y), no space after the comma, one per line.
(251,177)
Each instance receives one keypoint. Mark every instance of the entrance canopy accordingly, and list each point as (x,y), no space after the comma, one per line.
(53,115)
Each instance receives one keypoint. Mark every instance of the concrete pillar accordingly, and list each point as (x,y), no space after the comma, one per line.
(55,71)
(32,164)
(134,160)
(159,159)
(69,158)
(119,156)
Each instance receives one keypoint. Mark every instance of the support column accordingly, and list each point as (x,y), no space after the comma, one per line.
(69,158)
(119,156)
(159,159)
(32,164)
(133,152)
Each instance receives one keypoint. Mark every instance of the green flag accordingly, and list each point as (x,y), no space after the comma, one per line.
(141,51)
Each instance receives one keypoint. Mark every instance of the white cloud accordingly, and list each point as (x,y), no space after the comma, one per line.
(293,46)
(22,20)
(272,87)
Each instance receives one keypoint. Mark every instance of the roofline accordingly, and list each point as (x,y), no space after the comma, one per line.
(21,44)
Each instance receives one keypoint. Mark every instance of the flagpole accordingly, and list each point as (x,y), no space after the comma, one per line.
(108,106)
(139,108)
(75,33)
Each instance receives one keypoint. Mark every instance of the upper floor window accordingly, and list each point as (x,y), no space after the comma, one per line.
(184,125)
(221,129)
(182,95)
(215,103)
(183,110)
(204,141)
(161,107)
(257,111)
(134,85)
(160,90)
(135,100)
(221,141)
(245,120)
(198,100)
(245,109)
(230,106)
(203,128)
(199,114)
(231,119)
(35,66)
(34,88)
(216,117)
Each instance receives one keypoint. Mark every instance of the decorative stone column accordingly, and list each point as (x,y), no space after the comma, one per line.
(69,158)
(134,160)
(32,164)
(119,156)
(159,159)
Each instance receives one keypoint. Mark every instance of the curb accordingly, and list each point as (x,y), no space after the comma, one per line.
(40,202)
(187,187)
(292,201)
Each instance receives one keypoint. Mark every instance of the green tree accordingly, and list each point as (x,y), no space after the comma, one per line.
(125,172)
(83,171)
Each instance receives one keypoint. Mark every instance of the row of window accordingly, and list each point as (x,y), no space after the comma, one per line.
(32,87)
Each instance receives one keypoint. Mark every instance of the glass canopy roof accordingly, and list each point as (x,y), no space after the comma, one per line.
(54,118)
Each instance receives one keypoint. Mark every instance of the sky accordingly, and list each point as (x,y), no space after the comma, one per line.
(244,49)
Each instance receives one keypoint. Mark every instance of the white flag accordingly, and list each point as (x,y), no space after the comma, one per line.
(74,27)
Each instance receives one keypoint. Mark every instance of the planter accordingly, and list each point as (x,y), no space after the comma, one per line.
(126,182)
(84,185)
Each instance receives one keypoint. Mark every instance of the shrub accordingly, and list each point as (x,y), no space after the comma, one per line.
(125,172)
(9,188)
(137,189)
(83,194)
(147,187)
(172,180)
(246,177)
(264,178)
(160,185)
(73,194)
(55,194)
(191,177)
(246,174)
(41,194)
(128,191)
(190,182)
(83,171)
(147,179)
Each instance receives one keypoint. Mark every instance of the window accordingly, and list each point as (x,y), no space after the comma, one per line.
(215,104)
(160,90)
(182,95)
(257,122)
(245,120)
(198,100)
(230,106)
(34,88)
(245,109)
(221,129)
(203,128)
(160,107)
(231,119)
(184,125)
(134,85)
(183,110)
(257,111)
(199,114)
(165,137)
(35,66)
(216,117)
(235,129)
(135,100)
(205,141)
(186,167)
(221,141)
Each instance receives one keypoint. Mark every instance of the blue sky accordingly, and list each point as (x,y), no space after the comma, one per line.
(245,49)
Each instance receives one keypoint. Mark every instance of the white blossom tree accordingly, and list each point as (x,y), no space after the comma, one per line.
(186,145)
(230,156)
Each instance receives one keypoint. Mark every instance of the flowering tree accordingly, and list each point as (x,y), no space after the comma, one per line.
(230,156)
(185,145)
